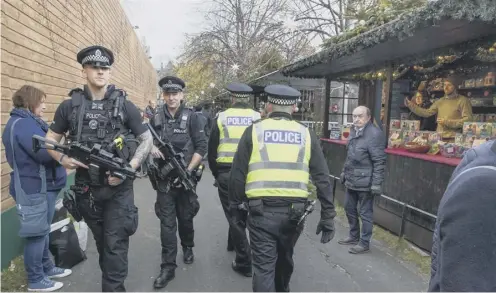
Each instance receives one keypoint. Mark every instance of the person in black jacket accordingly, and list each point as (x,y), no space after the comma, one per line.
(463,248)
(175,206)
(362,175)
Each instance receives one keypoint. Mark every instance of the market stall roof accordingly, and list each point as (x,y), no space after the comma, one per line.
(437,25)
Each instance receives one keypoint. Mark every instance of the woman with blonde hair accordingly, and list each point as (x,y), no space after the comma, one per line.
(34,184)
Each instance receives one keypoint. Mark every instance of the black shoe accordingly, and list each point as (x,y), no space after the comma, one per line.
(348,241)
(188,255)
(358,249)
(244,271)
(230,247)
(165,276)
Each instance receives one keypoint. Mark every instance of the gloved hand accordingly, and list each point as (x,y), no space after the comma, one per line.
(376,189)
(215,183)
(341,178)
(327,229)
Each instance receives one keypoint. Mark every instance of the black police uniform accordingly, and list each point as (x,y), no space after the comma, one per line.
(185,131)
(236,239)
(273,256)
(109,211)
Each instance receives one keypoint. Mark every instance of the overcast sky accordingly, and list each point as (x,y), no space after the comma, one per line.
(163,23)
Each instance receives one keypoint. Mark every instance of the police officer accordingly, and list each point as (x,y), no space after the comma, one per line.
(184,129)
(226,132)
(271,169)
(100,113)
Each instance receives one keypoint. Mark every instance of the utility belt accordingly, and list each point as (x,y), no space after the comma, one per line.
(257,207)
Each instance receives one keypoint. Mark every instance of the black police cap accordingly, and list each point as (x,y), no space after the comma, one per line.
(239,90)
(96,56)
(283,95)
(171,84)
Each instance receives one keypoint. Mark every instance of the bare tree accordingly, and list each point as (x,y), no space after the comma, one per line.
(245,38)
(327,18)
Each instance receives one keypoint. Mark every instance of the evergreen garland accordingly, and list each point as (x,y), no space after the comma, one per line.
(400,28)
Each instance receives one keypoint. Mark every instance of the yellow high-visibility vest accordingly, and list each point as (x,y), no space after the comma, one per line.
(232,123)
(279,162)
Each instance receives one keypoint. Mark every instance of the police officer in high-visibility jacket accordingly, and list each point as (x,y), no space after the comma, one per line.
(223,143)
(271,169)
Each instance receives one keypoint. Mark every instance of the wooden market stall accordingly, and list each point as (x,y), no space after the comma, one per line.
(408,56)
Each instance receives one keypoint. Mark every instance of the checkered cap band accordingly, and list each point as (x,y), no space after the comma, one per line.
(282,102)
(95,58)
(172,86)
(237,95)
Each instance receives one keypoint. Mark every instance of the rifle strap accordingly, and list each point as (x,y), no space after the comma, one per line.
(82,109)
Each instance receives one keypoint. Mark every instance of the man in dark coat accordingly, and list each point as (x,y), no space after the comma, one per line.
(463,248)
(362,175)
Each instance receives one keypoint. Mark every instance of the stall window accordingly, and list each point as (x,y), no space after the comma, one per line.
(343,99)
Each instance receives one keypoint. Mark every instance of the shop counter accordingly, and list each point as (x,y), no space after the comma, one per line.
(412,189)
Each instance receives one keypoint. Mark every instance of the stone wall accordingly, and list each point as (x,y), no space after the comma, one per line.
(40,40)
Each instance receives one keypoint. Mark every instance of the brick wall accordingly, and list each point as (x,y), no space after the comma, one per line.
(40,40)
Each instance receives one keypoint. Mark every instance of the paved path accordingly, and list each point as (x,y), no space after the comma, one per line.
(319,267)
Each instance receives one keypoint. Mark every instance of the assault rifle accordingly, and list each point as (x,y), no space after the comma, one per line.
(174,162)
(95,157)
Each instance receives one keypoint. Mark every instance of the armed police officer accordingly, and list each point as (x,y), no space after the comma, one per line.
(183,128)
(226,132)
(101,114)
(271,169)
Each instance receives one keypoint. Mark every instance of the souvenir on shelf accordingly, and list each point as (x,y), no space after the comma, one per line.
(334,130)
(395,138)
(490,118)
(489,80)
(410,125)
(345,131)
(395,124)
(478,118)
(409,136)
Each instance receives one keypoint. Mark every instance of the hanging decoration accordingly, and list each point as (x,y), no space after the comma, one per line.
(486,55)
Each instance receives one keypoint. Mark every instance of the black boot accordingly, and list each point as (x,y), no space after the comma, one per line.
(165,276)
(188,255)
(244,271)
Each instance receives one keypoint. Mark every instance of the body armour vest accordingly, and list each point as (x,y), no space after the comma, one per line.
(175,129)
(100,121)
(232,124)
(279,162)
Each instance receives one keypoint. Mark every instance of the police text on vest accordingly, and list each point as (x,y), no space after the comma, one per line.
(282,136)
(239,121)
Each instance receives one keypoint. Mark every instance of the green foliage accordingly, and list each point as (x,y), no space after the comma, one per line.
(14,277)
(198,76)
(386,11)
(404,25)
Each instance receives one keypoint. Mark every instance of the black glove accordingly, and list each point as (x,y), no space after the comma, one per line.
(341,178)
(327,229)
(376,189)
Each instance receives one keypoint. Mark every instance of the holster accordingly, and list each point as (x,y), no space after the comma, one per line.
(296,211)
(70,200)
(95,175)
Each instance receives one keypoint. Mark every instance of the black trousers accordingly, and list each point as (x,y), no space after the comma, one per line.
(181,205)
(112,221)
(237,226)
(272,241)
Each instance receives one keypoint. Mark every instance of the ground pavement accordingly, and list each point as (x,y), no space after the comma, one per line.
(318,267)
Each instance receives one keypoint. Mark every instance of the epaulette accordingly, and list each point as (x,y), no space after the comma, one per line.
(76,90)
